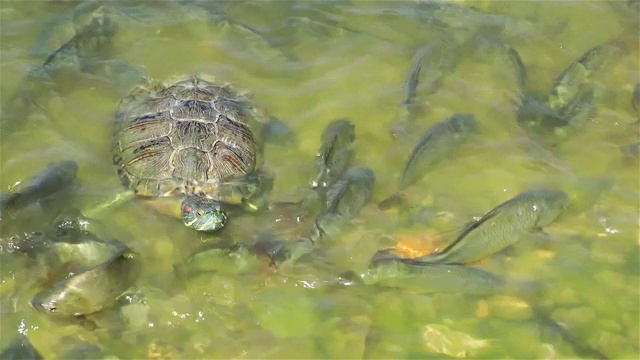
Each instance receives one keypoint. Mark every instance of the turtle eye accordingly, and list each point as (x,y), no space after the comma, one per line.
(200,213)
(52,307)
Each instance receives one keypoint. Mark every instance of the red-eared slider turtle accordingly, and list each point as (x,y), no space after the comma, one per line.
(191,140)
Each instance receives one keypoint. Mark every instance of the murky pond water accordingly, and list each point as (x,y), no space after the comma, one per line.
(308,63)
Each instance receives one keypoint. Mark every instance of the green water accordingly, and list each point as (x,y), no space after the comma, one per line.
(347,59)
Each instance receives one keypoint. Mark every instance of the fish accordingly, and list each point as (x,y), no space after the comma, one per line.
(631,151)
(534,114)
(569,104)
(251,192)
(577,77)
(431,278)
(92,290)
(277,132)
(91,32)
(501,227)
(70,347)
(344,200)
(439,58)
(318,29)
(581,349)
(20,348)
(235,259)
(437,144)
(513,57)
(62,248)
(411,84)
(335,153)
(53,178)
(92,36)
(255,39)
(510,57)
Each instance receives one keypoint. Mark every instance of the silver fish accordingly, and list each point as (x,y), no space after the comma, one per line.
(235,259)
(432,278)
(92,290)
(502,226)
(63,248)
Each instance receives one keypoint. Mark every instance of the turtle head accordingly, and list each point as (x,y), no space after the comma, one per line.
(203,214)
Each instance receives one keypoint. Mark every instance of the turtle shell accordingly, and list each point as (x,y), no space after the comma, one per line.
(185,137)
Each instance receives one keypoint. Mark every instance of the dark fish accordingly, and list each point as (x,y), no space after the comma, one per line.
(439,58)
(502,226)
(335,153)
(344,199)
(576,79)
(92,290)
(513,57)
(631,151)
(54,178)
(437,144)
(312,204)
(534,115)
(510,57)
(411,85)
(235,259)
(20,349)
(583,350)
(432,278)
(549,127)
(579,111)
(570,104)
(278,132)
(91,38)
(434,146)
(455,18)
(253,38)
(307,27)
(249,191)
(70,347)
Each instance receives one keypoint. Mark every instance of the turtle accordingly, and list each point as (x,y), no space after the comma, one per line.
(190,139)
(188,144)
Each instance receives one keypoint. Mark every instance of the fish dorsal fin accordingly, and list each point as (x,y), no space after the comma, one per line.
(470,227)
